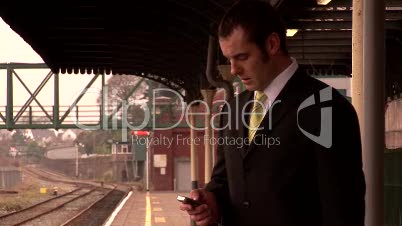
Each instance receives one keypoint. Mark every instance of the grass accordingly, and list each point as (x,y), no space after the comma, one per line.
(27,195)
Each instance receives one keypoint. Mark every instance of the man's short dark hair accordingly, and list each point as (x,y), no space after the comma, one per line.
(258,19)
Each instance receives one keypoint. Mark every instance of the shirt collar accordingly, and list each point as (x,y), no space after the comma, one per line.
(275,87)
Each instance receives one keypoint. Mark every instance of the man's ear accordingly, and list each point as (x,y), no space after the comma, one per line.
(273,44)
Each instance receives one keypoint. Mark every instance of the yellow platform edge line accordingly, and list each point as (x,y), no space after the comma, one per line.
(148,221)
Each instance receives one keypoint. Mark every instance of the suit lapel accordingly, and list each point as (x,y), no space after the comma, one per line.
(243,130)
(286,100)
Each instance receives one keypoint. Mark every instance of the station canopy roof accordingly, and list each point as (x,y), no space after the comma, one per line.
(167,40)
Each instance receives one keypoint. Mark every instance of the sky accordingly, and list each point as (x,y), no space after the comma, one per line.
(14,49)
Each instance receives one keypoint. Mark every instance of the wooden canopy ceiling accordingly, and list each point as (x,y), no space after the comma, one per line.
(167,40)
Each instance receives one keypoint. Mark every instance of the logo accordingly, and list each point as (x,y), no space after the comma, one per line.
(325,137)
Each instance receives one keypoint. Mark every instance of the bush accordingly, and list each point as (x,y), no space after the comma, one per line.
(10,206)
(108,176)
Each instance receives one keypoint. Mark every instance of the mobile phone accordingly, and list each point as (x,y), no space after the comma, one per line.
(187,200)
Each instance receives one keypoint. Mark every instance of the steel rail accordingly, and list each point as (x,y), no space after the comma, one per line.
(68,222)
(55,208)
(38,204)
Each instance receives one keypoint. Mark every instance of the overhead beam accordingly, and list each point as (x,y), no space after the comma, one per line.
(162,62)
(303,34)
(88,51)
(328,42)
(324,62)
(85,63)
(329,56)
(388,3)
(328,70)
(335,25)
(113,47)
(79,58)
(320,49)
(334,14)
(325,71)
(140,53)
(75,37)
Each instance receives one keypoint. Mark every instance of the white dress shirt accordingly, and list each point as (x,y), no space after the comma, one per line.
(275,87)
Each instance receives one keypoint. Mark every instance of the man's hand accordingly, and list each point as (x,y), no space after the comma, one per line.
(204,214)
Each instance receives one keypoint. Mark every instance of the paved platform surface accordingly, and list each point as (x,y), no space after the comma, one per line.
(152,209)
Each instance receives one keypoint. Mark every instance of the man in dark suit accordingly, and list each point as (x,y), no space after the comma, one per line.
(301,164)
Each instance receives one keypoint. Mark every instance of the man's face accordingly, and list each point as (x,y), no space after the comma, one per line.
(246,60)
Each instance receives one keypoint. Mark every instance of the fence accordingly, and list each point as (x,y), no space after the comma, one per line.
(9,177)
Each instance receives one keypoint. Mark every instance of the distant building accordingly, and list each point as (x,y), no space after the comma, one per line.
(68,135)
(52,137)
(10,177)
(28,134)
(120,148)
(5,135)
(13,152)
(43,136)
(124,168)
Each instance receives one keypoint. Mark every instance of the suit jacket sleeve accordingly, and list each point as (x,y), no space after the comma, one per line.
(218,183)
(339,170)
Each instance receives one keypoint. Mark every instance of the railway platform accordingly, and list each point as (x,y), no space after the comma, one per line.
(149,209)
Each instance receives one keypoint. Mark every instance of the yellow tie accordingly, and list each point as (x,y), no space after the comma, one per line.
(257,114)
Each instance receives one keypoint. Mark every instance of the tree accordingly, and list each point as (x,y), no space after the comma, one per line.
(120,86)
(135,115)
(34,151)
(18,138)
(128,88)
(95,142)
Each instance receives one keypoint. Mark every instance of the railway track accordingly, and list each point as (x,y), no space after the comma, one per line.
(53,177)
(37,174)
(89,204)
(44,208)
(101,209)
